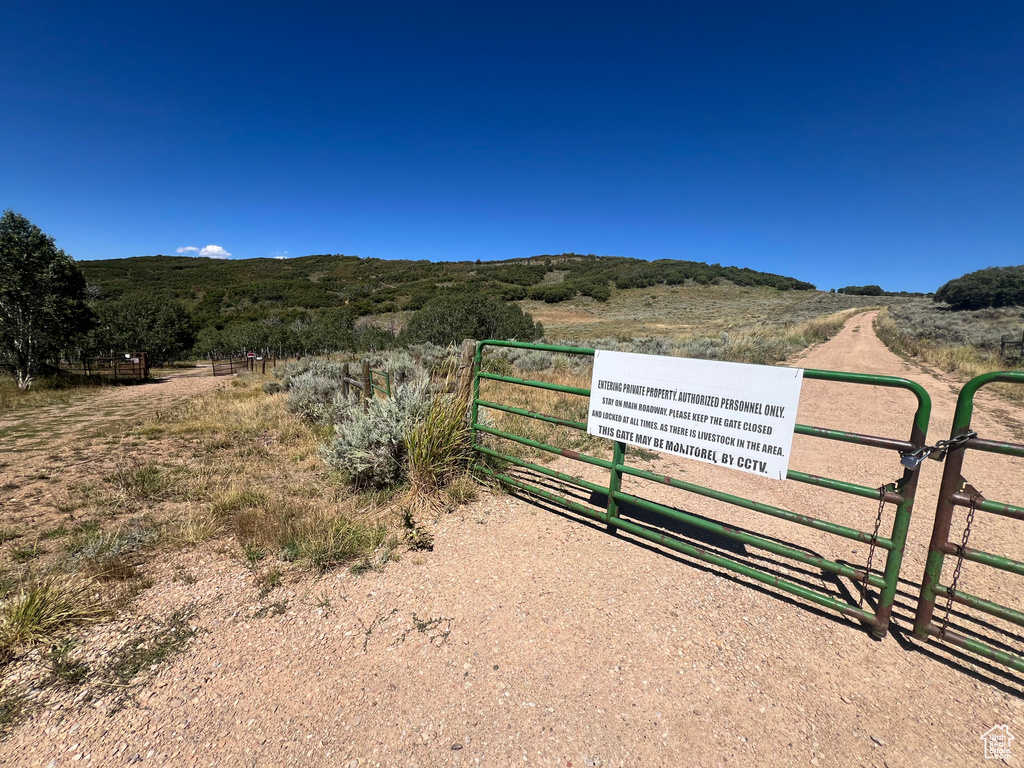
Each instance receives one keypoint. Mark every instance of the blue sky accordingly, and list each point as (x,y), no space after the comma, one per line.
(873,143)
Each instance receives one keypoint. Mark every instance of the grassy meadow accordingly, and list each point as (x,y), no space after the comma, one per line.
(685,311)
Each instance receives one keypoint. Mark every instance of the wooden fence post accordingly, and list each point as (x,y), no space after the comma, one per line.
(367,386)
(345,374)
(465,374)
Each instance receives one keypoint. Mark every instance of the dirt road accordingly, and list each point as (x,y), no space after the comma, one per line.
(527,637)
(76,441)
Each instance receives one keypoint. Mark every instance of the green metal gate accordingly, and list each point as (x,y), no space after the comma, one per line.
(900,493)
(956,492)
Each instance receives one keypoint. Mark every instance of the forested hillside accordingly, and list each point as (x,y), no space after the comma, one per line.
(314,300)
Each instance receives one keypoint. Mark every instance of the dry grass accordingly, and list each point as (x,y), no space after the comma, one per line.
(40,395)
(40,608)
(904,336)
(259,480)
(678,312)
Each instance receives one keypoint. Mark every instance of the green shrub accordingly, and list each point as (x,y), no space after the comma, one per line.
(451,317)
(369,445)
(312,395)
(535,360)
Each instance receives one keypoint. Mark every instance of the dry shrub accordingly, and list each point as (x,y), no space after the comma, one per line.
(112,555)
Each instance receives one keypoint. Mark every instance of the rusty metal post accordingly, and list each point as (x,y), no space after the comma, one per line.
(345,374)
(615,482)
(940,535)
(367,385)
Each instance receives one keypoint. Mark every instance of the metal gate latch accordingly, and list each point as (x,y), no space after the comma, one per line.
(913,459)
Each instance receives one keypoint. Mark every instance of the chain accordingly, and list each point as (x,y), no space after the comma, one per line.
(959,564)
(913,459)
(874,543)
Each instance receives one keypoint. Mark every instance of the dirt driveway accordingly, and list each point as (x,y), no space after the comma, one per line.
(527,637)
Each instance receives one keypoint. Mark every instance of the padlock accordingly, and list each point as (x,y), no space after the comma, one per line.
(910,461)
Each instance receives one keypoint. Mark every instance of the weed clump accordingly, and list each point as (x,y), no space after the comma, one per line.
(326,541)
(40,608)
(138,481)
(438,447)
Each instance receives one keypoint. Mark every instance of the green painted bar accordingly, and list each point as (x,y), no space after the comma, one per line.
(982,649)
(854,437)
(574,506)
(940,545)
(530,345)
(386,389)
(747,538)
(965,400)
(924,402)
(993,561)
(756,506)
(841,485)
(593,487)
(752,573)
(994,446)
(615,479)
(994,507)
(531,414)
(994,609)
(545,447)
(537,384)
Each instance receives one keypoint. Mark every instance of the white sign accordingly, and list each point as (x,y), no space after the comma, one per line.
(731,414)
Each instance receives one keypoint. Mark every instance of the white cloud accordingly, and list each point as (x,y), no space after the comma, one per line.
(214,252)
(279,254)
(188,249)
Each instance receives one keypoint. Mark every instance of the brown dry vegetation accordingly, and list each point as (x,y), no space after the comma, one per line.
(682,311)
(230,466)
(964,344)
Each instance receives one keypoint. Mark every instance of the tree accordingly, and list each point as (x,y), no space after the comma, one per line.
(43,307)
(451,317)
(862,290)
(992,287)
(139,322)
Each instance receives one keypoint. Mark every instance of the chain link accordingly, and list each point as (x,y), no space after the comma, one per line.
(874,544)
(959,565)
(913,459)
